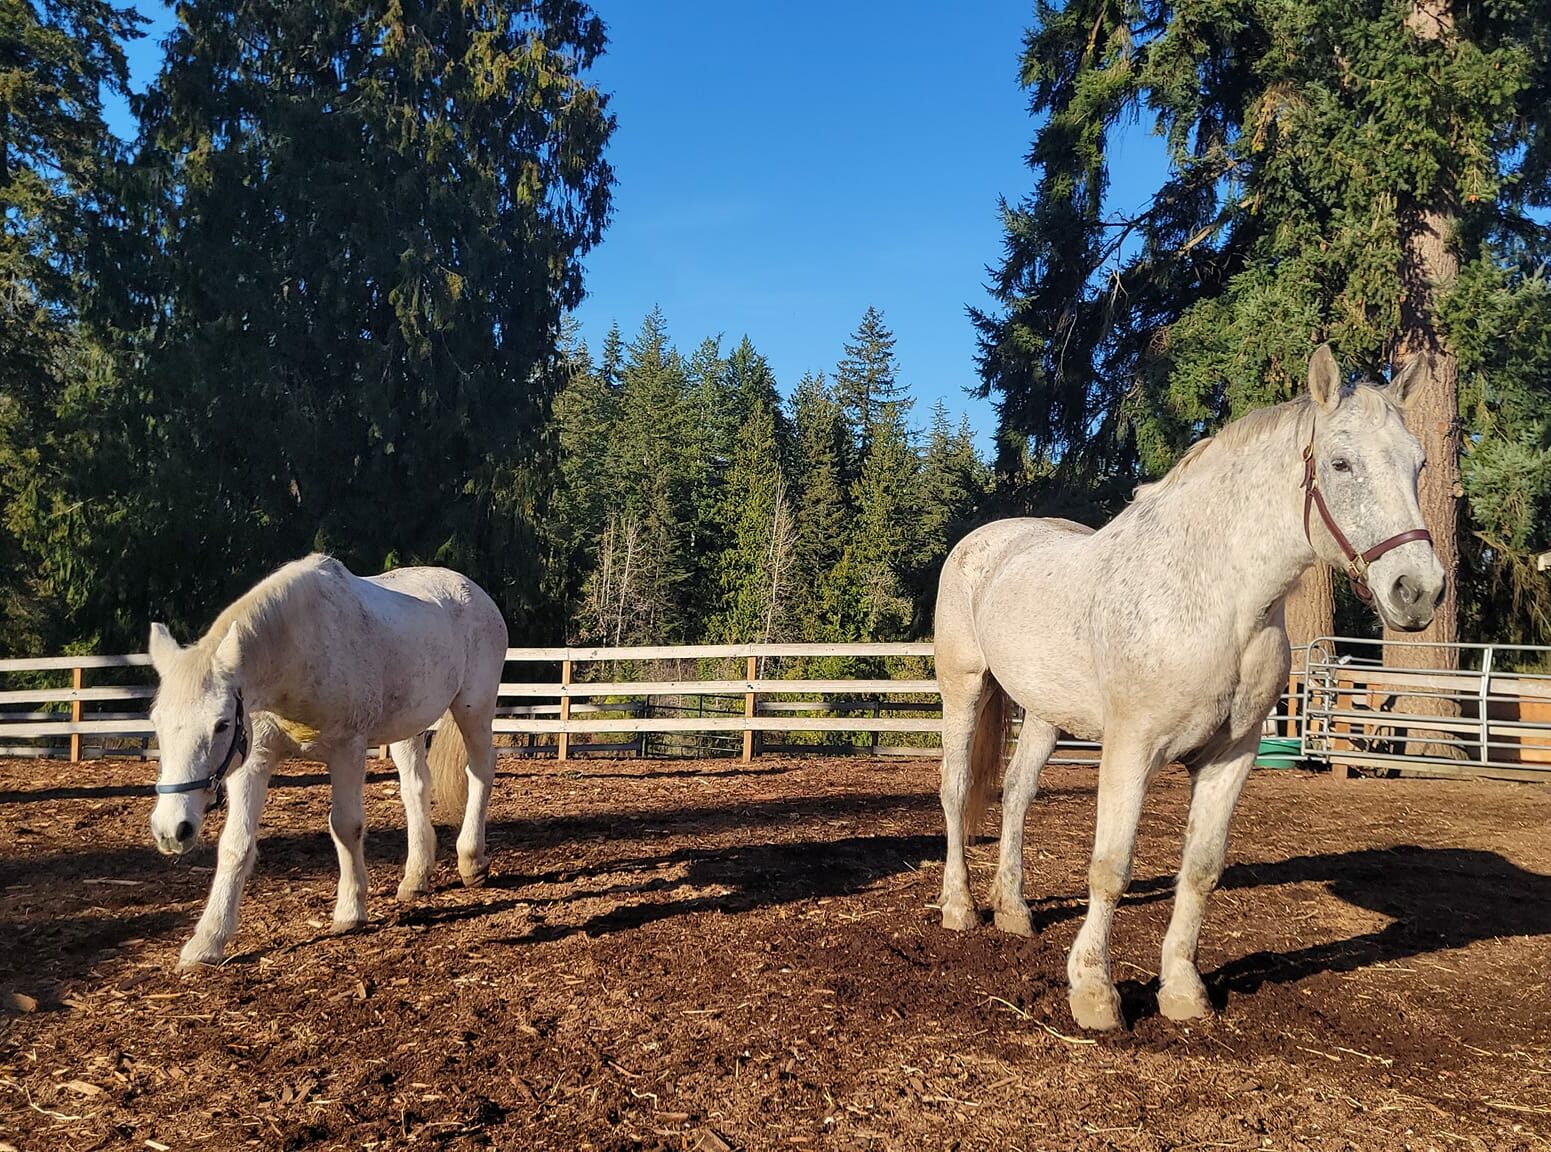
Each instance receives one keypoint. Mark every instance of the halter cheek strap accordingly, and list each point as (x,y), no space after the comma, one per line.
(1356,562)
(236,750)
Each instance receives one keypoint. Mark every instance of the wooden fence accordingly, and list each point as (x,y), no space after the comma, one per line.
(569,695)
(1489,717)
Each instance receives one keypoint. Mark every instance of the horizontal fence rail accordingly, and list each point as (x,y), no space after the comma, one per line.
(1349,710)
(1367,704)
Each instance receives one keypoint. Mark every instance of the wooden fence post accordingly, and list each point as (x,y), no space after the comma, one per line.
(748,711)
(77,678)
(563,739)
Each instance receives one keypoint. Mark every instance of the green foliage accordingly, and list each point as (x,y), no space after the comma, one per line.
(1305,138)
(867,386)
(756,567)
(693,507)
(56,61)
(331,288)
(823,512)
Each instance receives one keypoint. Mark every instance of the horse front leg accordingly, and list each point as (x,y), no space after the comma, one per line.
(961,703)
(347,824)
(415,790)
(1214,793)
(1124,772)
(235,854)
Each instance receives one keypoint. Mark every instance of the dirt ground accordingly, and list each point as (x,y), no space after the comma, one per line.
(707,955)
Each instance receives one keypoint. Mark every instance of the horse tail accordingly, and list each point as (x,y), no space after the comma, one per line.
(449,759)
(992,726)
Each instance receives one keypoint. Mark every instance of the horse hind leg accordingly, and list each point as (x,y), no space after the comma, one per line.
(474,723)
(1035,743)
(964,701)
(415,790)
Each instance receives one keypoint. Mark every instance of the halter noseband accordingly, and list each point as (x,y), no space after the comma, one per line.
(237,749)
(1356,562)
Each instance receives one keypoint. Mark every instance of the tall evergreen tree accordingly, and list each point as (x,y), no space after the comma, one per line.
(365,221)
(640,591)
(867,595)
(822,512)
(57,60)
(953,486)
(867,385)
(757,566)
(1341,171)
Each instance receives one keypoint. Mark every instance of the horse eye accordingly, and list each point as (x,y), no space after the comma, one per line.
(1341,464)
(222,726)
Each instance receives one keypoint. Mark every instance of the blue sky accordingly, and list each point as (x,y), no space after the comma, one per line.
(782,167)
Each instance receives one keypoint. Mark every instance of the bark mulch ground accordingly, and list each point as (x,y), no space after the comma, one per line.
(707,955)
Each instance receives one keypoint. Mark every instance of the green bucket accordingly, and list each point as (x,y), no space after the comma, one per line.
(1278,752)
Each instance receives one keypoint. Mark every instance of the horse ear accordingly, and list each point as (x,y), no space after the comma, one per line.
(1405,382)
(163,647)
(1324,377)
(228,653)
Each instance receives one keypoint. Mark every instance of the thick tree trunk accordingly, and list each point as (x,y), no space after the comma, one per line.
(1310,614)
(1431,267)
(1311,610)
(1433,418)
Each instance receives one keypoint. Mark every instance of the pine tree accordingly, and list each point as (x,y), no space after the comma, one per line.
(867,595)
(867,385)
(56,157)
(613,357)
(822,511)
(1337,171)
(359,224)
(757,567)
(954,484)
(650,492)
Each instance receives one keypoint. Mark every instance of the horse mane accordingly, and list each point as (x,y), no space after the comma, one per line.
(263,604)
(1261,425)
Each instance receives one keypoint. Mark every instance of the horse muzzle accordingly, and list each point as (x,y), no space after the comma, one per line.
(176,834)
(1409,601)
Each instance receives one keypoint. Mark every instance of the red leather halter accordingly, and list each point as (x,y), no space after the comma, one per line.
(1356,562)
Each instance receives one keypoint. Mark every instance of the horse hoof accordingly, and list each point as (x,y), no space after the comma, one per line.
(411,892)
(1096,1008)
(196,960)
(1015,920)
(1184,1003)
(345,927)
(475,878)
(960,918)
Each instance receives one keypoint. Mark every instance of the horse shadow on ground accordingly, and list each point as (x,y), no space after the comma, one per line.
(755,876)
(1436,899)
(139,887)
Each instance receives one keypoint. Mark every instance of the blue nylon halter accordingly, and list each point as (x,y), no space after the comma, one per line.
(237,749)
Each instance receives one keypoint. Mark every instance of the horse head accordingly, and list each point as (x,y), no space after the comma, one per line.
(202,732)
(1360,471)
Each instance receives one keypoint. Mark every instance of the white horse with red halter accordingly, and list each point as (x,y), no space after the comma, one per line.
(1162,635)
(317,662)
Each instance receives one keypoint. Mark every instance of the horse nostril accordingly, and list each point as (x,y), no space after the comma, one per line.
(1442,587)
(1406,590)
(185,831)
